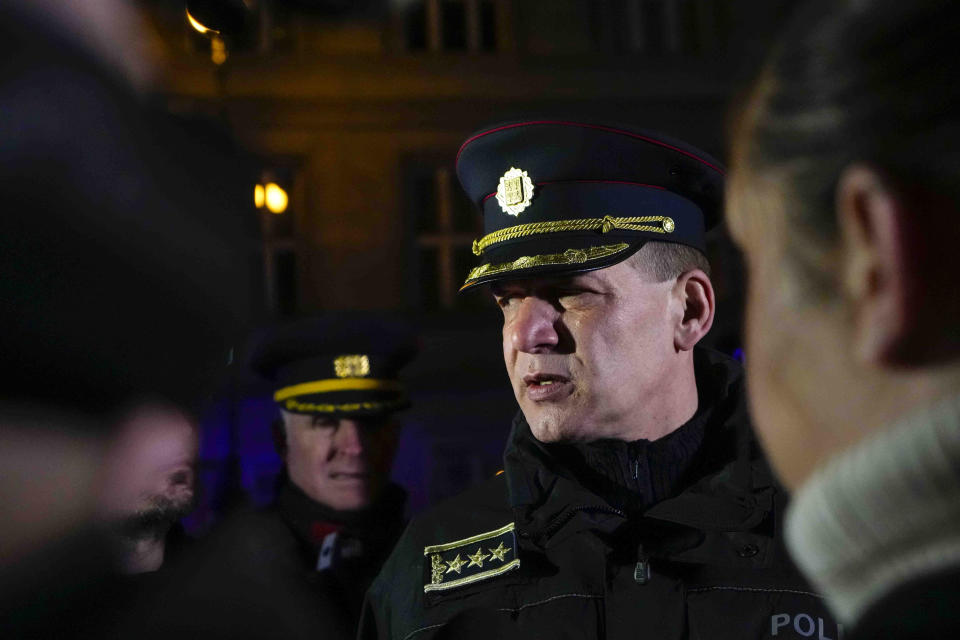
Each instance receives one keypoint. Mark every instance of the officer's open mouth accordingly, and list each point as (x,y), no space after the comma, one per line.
(543,379)
(350,475)
(546,386)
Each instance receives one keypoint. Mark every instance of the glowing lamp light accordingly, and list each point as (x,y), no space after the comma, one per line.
(218,50)
(196,24)
(258,196)
(275,198)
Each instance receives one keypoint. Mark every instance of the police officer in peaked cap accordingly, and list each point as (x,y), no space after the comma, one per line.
(634,501)
(336,386)
(300,568)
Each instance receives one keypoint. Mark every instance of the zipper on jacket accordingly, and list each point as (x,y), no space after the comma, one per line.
(557,524)
(641,572)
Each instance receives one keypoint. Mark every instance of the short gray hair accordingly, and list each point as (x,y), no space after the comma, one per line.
(666,260)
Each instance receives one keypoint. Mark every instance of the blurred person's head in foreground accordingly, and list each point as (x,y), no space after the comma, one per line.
(336,385)
(152,481)
(127,254)
(845,198)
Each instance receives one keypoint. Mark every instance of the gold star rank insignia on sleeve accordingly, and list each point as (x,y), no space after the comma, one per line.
(476,560)
(500,552)
(448,558)
(456,564)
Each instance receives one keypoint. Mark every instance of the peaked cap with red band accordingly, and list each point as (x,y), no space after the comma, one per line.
(563,197)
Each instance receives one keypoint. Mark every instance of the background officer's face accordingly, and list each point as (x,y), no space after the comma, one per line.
(342,463)
(586,354)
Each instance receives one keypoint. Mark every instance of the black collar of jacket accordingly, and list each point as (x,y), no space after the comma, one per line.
(731,487)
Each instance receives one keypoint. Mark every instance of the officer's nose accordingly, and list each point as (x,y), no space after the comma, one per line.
(533,328)
(348,440)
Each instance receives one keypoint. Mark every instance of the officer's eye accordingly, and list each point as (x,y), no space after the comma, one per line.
(574,297)
(322,422)
(371,424)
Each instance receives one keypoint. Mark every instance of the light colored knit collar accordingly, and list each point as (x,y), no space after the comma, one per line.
(884,512)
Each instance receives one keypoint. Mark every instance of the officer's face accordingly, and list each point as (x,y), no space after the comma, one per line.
(586,354)
(340,463)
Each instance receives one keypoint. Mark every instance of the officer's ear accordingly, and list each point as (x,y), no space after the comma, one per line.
(279,433)
(694,294)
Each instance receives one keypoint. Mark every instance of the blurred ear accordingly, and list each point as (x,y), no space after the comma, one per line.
(876,271)
(898,265)
(694,291)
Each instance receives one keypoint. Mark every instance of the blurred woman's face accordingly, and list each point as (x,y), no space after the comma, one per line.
(794,344)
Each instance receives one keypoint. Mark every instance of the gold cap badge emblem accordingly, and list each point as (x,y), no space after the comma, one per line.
(515,191)
(352,366)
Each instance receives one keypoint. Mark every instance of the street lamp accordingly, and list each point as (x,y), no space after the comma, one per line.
(218,48)
(272,196)
(200,27)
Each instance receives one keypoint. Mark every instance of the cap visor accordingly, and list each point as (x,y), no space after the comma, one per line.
(552,256)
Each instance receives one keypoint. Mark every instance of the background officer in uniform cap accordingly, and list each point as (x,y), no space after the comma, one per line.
(634,502)
(300,568)
(336,387)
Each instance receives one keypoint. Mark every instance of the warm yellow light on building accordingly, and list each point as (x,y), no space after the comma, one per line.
(198,26)
(258,196)
(275,198)
(218,50)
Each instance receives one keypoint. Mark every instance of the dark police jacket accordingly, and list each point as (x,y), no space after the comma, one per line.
(534,553)
(924,608)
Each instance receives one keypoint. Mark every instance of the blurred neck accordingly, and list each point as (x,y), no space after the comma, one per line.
(870,401)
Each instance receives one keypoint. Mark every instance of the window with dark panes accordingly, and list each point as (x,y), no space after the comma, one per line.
(488,26)
(285,270)
(451,25)
(444,225)
(668,27)
(415,26)
(454,25)
(652,24)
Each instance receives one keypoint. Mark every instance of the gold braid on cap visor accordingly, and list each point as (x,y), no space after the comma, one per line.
(604,224)
(336,384)
(292,404)
(570,256)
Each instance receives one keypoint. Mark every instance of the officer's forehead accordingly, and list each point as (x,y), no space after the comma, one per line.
(596,277)
(361,421)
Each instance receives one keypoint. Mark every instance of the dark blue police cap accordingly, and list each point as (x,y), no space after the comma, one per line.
(560,197)
(340,364)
